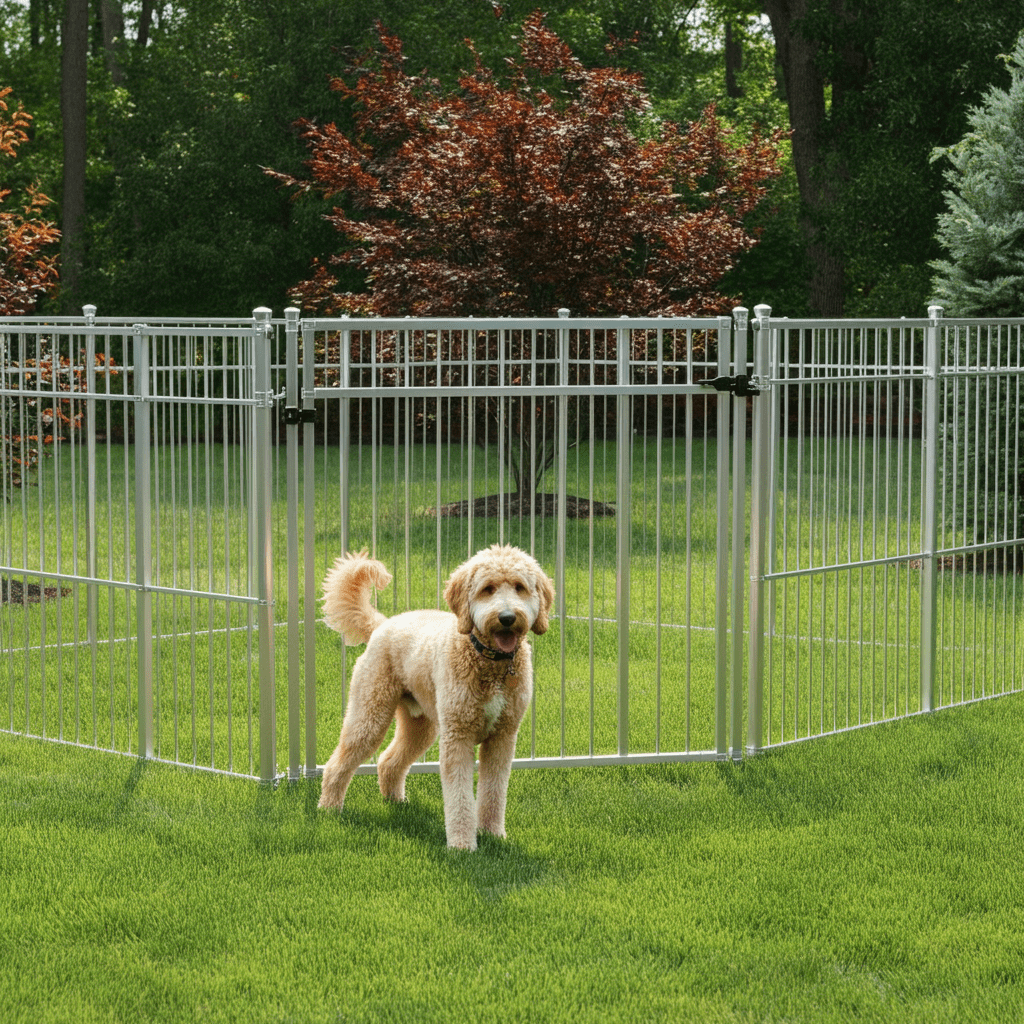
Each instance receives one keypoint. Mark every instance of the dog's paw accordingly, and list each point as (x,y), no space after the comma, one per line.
(461,843)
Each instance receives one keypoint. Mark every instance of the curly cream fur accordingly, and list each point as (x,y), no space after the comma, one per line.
(347,590)
(421,670)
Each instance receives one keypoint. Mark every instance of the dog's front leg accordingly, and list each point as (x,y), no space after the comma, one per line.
(457,760)
(496,754)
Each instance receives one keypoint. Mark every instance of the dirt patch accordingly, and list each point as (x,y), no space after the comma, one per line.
(16,592)
(989,563)
(521,507)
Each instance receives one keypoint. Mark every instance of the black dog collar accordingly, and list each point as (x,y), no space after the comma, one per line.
(490,653)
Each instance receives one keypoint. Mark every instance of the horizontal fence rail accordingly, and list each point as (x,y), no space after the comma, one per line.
(760,531)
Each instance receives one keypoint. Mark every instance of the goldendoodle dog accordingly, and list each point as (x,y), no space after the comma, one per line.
(465,676)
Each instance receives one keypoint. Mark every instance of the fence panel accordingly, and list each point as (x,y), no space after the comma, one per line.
(591,444)
(980,511)
(890,579)
(132,586)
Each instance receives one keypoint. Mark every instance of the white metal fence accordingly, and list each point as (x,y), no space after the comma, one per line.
(890,485)
(136,557)
(852,490)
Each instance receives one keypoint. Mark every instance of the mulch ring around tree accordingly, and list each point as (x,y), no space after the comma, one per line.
(16,592)
(519,507)
(998,561)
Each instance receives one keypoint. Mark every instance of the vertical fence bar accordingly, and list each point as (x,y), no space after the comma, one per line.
(929,510)
(92,589)
(344,426)
(143,542)
(759,505)
(562,450)
(263,408)
(292,419)
(623,518)
(741,331)
(309,532)
(722,409)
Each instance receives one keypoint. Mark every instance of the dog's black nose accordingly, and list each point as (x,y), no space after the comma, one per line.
(507,619)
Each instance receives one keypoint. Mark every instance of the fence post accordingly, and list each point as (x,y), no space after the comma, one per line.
(930,501)
(623,533)
(308,510)
(292,419)
(722,411)
(759,512)
(740,337)
(91,590)
(143,541)
(263,407)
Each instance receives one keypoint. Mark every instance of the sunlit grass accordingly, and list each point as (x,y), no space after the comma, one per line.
(871,876)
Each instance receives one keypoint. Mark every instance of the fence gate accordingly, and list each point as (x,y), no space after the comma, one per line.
(598,445)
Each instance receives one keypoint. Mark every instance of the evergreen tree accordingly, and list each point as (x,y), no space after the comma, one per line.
(983,232)
(983,226)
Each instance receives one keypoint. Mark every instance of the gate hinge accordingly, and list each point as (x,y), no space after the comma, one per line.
(294,415)
(741,385)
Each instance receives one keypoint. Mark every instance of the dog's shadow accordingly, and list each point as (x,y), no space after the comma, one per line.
(495,869)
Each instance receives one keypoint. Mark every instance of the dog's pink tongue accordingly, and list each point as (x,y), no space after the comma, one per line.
(506,642)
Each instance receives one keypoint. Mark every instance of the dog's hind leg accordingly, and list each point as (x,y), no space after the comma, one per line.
(413,735)
(363,731)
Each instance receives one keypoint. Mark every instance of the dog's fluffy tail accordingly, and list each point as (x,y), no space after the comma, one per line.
(347,589)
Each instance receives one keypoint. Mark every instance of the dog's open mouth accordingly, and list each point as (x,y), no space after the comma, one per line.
(506,641)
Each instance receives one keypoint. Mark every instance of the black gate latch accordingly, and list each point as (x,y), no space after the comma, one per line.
(293,415)
(741,385)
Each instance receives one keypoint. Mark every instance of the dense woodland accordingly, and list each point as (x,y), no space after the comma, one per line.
(153,124)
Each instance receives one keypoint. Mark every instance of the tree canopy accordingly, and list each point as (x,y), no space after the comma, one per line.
(186,101)
(557,189)
(872,87)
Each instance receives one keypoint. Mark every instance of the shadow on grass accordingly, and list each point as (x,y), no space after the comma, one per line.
(776,790)
(495,869)
(126,798)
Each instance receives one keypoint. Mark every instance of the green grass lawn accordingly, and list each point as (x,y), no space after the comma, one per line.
(870,876)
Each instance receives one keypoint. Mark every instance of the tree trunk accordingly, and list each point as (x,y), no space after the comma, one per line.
(145,23)
(113,38)
(733,62)
(805,96)
(74,51)
(35,36)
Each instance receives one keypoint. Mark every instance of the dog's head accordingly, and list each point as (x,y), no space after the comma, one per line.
(503,592)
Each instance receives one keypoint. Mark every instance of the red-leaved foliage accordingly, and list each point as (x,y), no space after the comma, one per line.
(49,409)
(28,267)
(557,189)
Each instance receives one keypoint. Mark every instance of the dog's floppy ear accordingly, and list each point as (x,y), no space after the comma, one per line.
(546,594)
(456,593)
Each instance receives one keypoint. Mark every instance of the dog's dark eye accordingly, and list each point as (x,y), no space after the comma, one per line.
(488,590)
(520,588)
